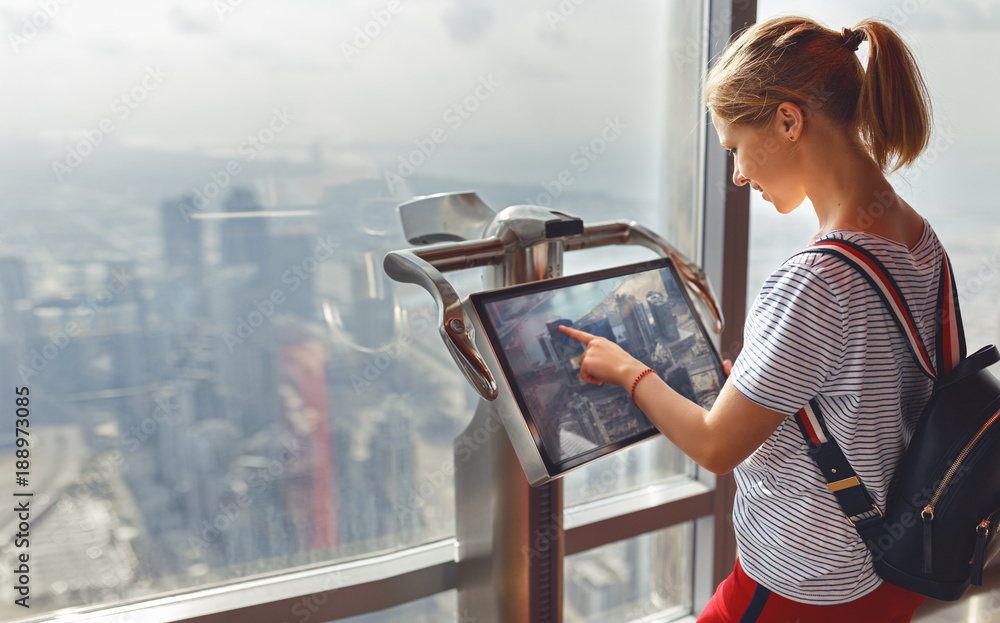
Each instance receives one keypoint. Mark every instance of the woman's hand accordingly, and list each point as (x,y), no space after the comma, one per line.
(718,440)
(603,360)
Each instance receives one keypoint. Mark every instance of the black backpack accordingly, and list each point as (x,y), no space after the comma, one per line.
(943,511)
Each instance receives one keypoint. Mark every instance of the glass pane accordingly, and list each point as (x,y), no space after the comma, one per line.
(952,183)
(680,157)
(631,579)
(198,199)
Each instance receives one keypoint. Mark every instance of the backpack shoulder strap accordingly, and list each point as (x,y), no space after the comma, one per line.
(951,347)
(875,273)
(841,478)
(852,495)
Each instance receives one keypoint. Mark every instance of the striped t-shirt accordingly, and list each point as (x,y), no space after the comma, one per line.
(818,329)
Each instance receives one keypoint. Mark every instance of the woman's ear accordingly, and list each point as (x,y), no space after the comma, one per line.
(789,121)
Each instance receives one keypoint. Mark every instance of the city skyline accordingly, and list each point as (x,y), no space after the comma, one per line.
(222,394)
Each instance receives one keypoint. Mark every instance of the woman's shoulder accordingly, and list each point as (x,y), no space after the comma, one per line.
(926,252)
(922,241)
(912,268)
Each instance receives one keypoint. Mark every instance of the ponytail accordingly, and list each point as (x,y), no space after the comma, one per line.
(794,59)
(893,112)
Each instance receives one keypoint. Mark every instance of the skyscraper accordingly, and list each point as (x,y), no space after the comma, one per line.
(638,331)
(663,316)
(243,233)
(182,234)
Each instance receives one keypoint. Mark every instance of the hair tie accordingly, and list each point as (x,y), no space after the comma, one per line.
(852,38)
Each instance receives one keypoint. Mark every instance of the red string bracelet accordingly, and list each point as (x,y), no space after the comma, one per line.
(636,382)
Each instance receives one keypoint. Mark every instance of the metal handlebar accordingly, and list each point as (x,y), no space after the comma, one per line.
(423,266)
(630,232)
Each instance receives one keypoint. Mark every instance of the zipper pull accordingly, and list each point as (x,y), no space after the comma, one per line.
(979,557)
(928,516)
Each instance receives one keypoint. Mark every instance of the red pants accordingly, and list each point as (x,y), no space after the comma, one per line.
(739,599)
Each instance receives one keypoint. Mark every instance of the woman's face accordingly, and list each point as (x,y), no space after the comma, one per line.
(765,159)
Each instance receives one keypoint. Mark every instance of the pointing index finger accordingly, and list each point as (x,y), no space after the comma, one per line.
(580,336)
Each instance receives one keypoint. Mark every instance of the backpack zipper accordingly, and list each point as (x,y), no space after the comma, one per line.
(979,555)
(928,513)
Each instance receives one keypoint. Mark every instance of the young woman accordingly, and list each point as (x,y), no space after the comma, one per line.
(802,118)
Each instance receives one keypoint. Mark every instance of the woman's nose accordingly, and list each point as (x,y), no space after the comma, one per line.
(738,178)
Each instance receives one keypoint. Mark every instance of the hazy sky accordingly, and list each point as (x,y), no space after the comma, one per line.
(225,72)
(956,45)
(560,77)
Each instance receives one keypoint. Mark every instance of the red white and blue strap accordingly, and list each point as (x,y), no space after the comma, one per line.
(950,339)
(873,271)
(841,478)
(812,425)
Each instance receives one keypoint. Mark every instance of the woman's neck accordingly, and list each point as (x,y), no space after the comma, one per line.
(849,191)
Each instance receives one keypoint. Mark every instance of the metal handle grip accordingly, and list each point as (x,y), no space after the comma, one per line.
(421,267)
(631,233)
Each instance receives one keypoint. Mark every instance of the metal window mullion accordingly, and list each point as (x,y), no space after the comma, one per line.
(638,523)
(725,245)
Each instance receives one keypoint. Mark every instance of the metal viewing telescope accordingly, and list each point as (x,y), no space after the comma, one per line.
(504,575)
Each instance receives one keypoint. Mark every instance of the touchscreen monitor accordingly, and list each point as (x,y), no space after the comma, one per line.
(643,307)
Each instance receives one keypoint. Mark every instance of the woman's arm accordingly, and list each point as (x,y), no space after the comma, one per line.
(718,440)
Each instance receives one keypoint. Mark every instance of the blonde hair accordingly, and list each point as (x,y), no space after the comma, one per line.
(794,59)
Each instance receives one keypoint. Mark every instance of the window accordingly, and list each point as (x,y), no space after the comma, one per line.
(631,579)
(950,183)
(223,384)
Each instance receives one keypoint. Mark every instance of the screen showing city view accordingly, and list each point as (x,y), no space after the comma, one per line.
(640,307)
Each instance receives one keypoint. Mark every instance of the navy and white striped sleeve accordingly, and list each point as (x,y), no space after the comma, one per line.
(793,342)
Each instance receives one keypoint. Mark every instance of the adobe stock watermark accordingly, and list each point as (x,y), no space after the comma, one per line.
(663,597)
(249,149)
(992,607)
(106,465)
(164,413)
(230,511)
(611,473)
(409,508)
(432,482)
(901,12)
(563,12)
(299,273)
(542,540)
(225,7)
(308,606)
(940,142)
(897,530)
(454,116)
(580,160)
(32,24)
(366,33)
(375,365)
(719,25)
(121,108)
(989,268)
(465,617)
(58,340)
